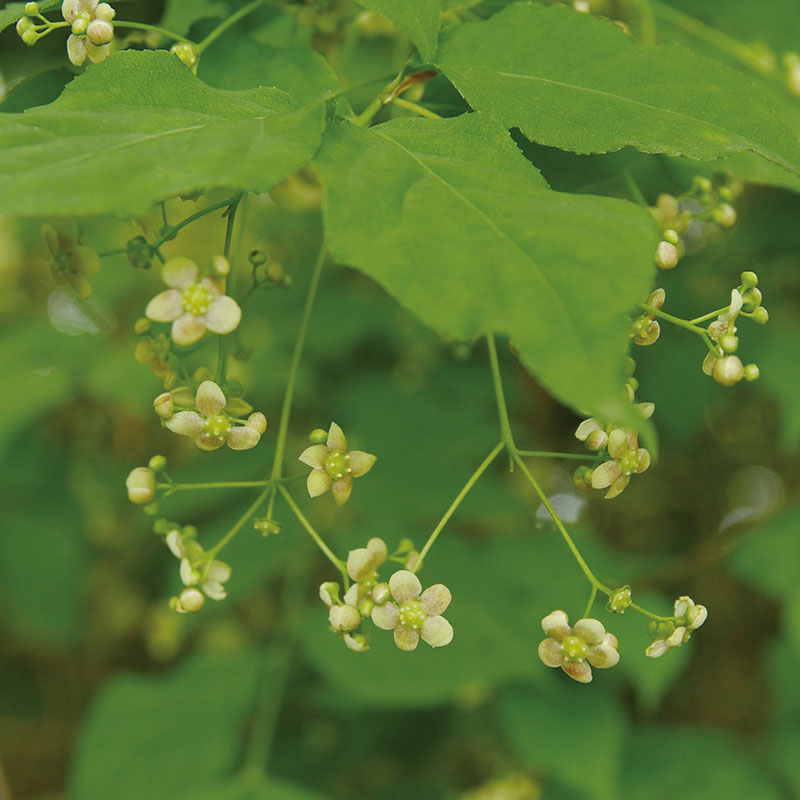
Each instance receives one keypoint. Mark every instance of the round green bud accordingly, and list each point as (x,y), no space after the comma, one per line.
(725,193)
(318,436)
(760,316)
(157,463)
(275,273)
(582,478)
(751,372)
(80,24)
(749,280)
(257,258)
(151,509)
(186,52)
(29,37)
(724,215)
(190,600)
(220,265)
(31,9)
(163,526)
(702,183)
(189,532)
(728,342)
(619,600)
(266,527)
(671,235)
(751,299)
(139,252)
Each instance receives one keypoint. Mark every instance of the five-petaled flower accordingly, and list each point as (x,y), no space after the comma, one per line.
(577,650)
(669,634)
(333,467)
(210,427)
(192,305)
(415,613)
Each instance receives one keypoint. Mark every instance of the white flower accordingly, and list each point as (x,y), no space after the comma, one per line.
(577,651)
(691,615)
(415,613)
(192,305)
(333,467)
(209,427)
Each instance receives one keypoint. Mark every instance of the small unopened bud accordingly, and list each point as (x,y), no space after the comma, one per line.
(164,405)
(596,440)
(157,463)
(646,409)
(724,215)
(100,32)
(666,256)
(80,24)
(751,299)
(190,601)
(760,316)
(266,526)
(671,235)
(728,342)
(29,36)
(257,421)
(186,52)
(257,258)
(104,11)
(728,370)
(657,298)
(318,436)
(139,252)
(141,326)
(220,265)
(141,485)
(619,600)
(582,478)
(151,509)
(751,372)
(749,280)
(31,9)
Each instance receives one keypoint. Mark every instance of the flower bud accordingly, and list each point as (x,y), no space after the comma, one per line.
(582,478)
(139,252)
(760,316)
(751,372)
(100,32)
(671,235)
(344,618)
(257,421)
(80,24)
(31,9)
(657,298)
(186,52)
(728,370)
(157,463)
(104,11)
(728,342)
(596,440)
(163,405)
(646,409)
(666,255)
(749,280)
(29,37)
(356,642)
(724,215)
(151,509)
(190,601)
(266,526)
(220,265)
(275,273)
(619,600)
(751,299)
(318,436)
(141,485)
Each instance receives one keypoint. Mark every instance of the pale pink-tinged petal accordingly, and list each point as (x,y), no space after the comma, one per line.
(404,586)
(341,490)
(550,653)
(215,285)
(618,487)
(314,456)
(578,670)
(610,640)
(209,442)
(435,600)
(590,630)
(602,656)
(210,399)
(187,329)
(604,475)
(243,438)
(165,306)
(318,482)
(682,605)
(336,438)
(361,463)
(406,639)
(436,631)
(556,625)
(70,10)
(179,273)
(186,423)
(586,427)
(386,616)
(224,315)
(657,649)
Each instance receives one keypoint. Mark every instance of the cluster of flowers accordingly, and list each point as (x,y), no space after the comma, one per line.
(90,23)
(675,216)
(399,605)
(726,368)
(689,617)
(621,444)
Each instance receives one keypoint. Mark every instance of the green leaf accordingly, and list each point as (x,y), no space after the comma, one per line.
(249,786)
(37,90)
(452,220)
(580,83)
(420,19)
(180,15)
(540,723)
(158,737)
(140,127)
(13,11)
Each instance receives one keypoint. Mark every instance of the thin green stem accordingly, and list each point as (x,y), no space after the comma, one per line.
(171,231)
(457,502)
(502,409)
(416,108)
(222,349)
(143,26)
(240,523)
(329,554)
(286,408)
(650,614)
(227,23)
(634,189)
(710,315)
(118,252)
(180,487)
(681,323)
(549,454)
(589,605)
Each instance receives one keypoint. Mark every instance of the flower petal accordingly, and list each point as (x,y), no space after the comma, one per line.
(336,438)
(586,427)
(210,399)
(379,551)
(356,645)
(697,615)
(361,463)
(386,616)
(209,442)
(406,639)
(314,456)
(677,638)
(218,571)
(341,490)
(602,656)
(556,625)
(590,630)
(604,475)
(404,586)
(318,482)
(359,563)
(97,52)
(174,541)
(186,423)
(657,649)
(682,605)
(187,329)
(618,487)
(179,273)
(214,590)
(618,443)
(243,437)
(351,596)
(223,315)
(437,631)
(578,670)
(165,306)
(435,600)
(736,304)
(550,653)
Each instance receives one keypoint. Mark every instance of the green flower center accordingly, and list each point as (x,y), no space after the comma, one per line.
(629,462)
(218,426)
(337,465)
(411,615)
(196,299)
(574,649)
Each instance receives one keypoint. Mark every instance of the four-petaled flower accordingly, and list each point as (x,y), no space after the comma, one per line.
(628,458)
(670,635)
(210,427)
(577,650)
(192,305)
(333,467)
(415,613)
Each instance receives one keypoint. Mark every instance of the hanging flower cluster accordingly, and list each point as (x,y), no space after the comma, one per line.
(673,634)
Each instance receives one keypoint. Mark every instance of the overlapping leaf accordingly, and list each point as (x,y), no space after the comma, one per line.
(458,226)
(579,83)
(418,18)
(140,127)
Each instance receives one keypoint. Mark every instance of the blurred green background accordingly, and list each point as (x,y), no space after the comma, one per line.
(106,693)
